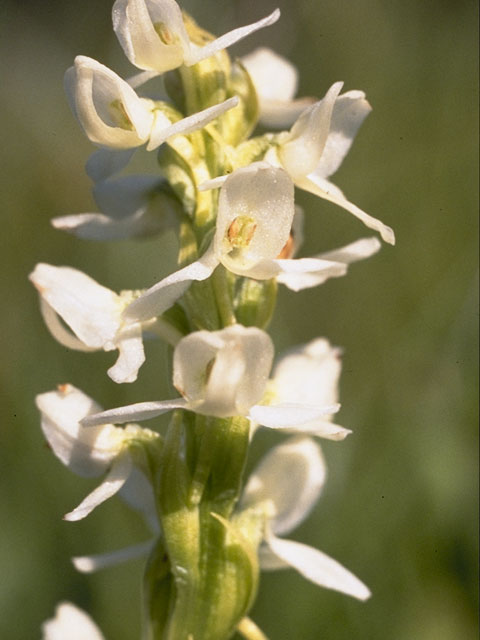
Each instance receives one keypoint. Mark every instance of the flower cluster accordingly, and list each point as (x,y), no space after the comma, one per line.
(231,198)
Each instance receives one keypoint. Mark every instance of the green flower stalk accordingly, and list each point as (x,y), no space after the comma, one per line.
(231,198)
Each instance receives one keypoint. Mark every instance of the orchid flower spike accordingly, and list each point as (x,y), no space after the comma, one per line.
(93,313)
(70,623)
(153,35)
(132,207)
(316,145)
(222,374)
(94,451)
(287,483)
(276,81)
(114,116)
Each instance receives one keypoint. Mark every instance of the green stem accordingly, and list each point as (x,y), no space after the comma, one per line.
(223,297)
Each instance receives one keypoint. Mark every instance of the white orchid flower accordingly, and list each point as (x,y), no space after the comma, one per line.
(287,483)
(93,313)
(70,623)
(276,81)
(255,214)
(91,452)
(132,207)
(114,116)
(153,36)
(222,373)
(309,375)
(316,145)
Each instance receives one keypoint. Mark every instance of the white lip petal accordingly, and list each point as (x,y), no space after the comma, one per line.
(291,477)
(112,483)
(195,54)
(164,294)
(318,567)
(131,355)
(92,563)
(289,415)
(70,623)
(138,412)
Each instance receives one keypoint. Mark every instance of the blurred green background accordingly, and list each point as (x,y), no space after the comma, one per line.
(400,506)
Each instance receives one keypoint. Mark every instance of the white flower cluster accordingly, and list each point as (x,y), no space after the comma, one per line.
(252,234)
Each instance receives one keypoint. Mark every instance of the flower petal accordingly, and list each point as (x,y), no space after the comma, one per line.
(90,310)
(112,483)
(90,564)
(302,149)
(139,411)
(185,126)
(134,23)
(210,369)
(106,106)
(318,567)
(87,452)
(121,197)
(59,331)
(291,476)
(279,115)
(358,250)
(215,183)
(255,214)
(70,623)
(289,415)
(349,112)
(308,374)
(131,354)
(274,77)
(303,273)
(164,294)
(137,492)
(195,54)
(105,162)
(329,191)
(132,206)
